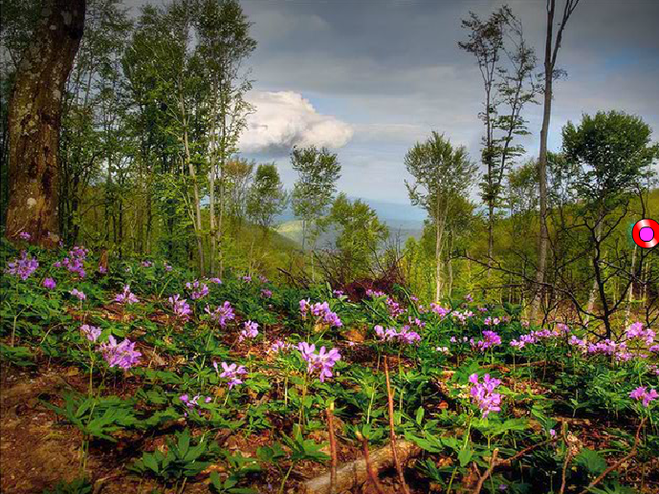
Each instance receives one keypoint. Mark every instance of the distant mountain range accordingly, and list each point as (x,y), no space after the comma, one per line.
(403,220)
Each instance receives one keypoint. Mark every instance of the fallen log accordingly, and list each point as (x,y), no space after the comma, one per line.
(352,475)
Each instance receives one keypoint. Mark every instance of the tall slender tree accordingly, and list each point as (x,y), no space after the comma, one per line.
(552,45)
(440,173)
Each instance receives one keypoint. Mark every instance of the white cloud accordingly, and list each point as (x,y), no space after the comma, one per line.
(284,119)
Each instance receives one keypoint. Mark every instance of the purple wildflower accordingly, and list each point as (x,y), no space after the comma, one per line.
(222,314)
(91,332)
(251,331)
(126,297)
(641,393)
(22,267)
(25,236)
(199,290)
(232,372)
(80,295)
(323,361)
(49,283)
(265,293)
(180,307)
(121,355)
(483,394)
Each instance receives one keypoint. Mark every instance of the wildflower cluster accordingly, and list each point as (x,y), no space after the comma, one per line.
(222,314)
(642,394)
(23,266)
(49,283)
(91,332)
(439,310)
(180,307)
(232,372)
(483,394)
(405,335)
(543,334)
(121,354)
(75,262)
(321,311)
(394,308)
(462,317)
(490,339)
(321,362)
(80,295)
(279,346)
(126,297)
(191,404)
(198,290)
(251,331)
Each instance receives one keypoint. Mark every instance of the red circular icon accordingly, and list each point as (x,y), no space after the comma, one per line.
(646,233)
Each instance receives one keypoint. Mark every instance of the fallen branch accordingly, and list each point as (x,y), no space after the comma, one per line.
(392,433)
(353,475)
(617,464)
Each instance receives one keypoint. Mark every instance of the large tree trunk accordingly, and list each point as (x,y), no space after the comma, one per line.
(34,122)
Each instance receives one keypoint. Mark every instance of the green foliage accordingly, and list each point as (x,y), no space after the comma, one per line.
(181,459)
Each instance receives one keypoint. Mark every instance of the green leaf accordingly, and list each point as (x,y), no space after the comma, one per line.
(591,461)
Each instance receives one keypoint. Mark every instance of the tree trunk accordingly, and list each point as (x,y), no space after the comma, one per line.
(34,122)
(630,290)
(543,236)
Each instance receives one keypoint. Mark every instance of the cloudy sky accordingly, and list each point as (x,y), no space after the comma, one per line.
(369,78)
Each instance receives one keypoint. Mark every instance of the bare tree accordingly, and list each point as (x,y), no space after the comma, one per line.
(551,52)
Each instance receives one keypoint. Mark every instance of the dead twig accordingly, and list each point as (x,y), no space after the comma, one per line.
(488,472)
(369,467)
(392,433)
(617,464)
(333,452)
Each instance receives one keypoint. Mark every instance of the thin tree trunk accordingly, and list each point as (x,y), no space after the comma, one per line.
(630,290)
(195,185)
(34,122)
(543,236)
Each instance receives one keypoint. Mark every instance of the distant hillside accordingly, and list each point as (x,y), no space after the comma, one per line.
(403,220)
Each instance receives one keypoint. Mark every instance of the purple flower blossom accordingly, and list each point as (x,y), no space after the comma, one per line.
(246,279)
(251,331)
(91,332)
(167,267)
(22,267)
(121,355)
(180,307)
(232,372)
(323,361)
(469,298)
(321,311)
(25,236)
(263,279)
(483,394)
(375,293)
(78,294)
(265,293)
(217,281)
(222,314)
(49,283)
(636,330)
(74,263)
(439,310)
(199,290)
(405,335)
(338,293)
(147,264)
(279,346)
(490,339)
(394,308)
(126,297)
(102,269)
(642,394)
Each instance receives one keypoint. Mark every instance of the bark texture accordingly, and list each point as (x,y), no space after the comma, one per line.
(34,119)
